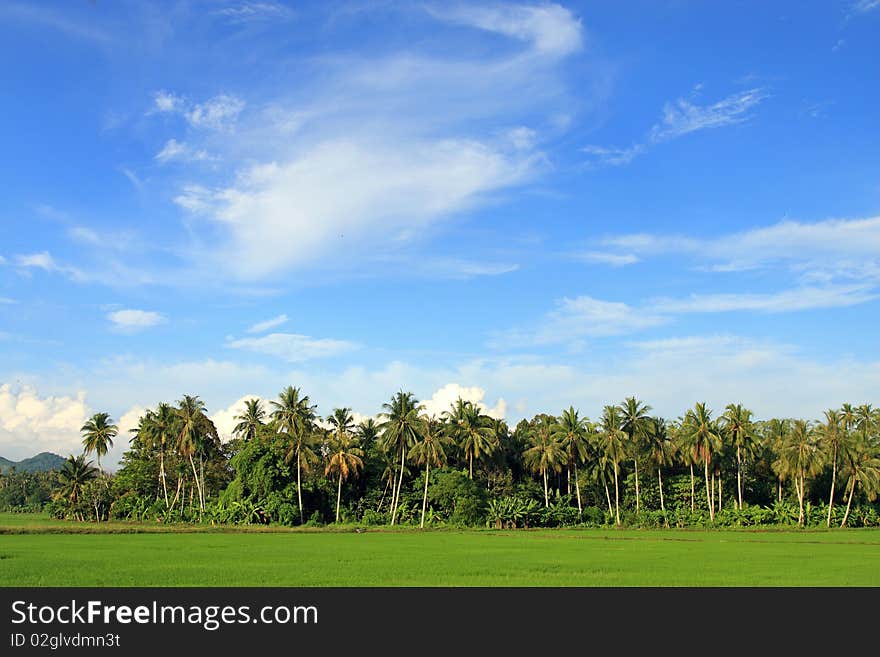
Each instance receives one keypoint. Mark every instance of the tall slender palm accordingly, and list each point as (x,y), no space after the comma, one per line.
(157,431)
(833,432)
(193,428)
(611,441)
(861,467)
(472,430)
(776,432)
(545,454)
(250,419)
(737,423)
(98,434)
(73,475)
(636,423)
(294,417)
(572,432)
(799,458)
(704,441)
(345,458)
(430,450)
(686,455)
(661,452)
(401,430)
(867,420)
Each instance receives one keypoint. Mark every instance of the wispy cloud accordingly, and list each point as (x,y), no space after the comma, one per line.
(218,113)
(864,6)
(607,258)
(292,347)
(180,151)
(49,17)
(259,327)
(7,301)
(803,298)
(680,118)
(133,321)
(253,12)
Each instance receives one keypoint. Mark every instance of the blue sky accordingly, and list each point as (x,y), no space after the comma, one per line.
(530,205)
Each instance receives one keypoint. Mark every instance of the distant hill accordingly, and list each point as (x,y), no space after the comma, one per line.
(41,462)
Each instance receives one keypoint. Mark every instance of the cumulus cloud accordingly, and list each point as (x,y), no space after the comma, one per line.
(31,423)
(132,321)
(292,347)
(443,399)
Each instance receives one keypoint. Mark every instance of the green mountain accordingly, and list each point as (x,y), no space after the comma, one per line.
(41,462)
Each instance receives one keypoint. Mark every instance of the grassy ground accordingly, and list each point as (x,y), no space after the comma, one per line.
(33,552)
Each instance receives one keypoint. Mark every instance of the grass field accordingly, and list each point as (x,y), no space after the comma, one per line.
(37,551)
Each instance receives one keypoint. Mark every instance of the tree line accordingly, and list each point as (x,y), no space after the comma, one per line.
(288,465)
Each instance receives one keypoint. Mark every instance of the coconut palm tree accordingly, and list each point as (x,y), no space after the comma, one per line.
(344,459)
(545,454)
(704,440)
(367,432)
(572,432)
(251,419)
(156,430)
(472,430)
(430,450)
(341,422)
(401,430)
(737,423)
(684,449)
(661,452)
(776,432)
(194,428)
(861,467)
(73,475)
(833,433)
(636,423)
(98,434)
(294,417)
(611,441)
(799,458)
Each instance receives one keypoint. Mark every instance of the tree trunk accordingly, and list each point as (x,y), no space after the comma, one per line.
(719,491)
(577,487)
(546,496)
(693,490)
(852,489)
(338,496)
(616,496)
(382,499)
(425,495)
(176,493)
(568,480)
(608,496)
(708,496)
(780,490)
(198,484)
(800,496)
(471,465)
(739,483)
(399,485)
(202,487)
(162,476)
(299,495)
(662,503)
(637,484)
(833,481)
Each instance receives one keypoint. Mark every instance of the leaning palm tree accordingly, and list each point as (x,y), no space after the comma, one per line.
(737,423)
(611,441)
(345,459)
(294,417)
(704,441)
(98,434)
(572,432)
(545,454)
(401,430)
(661,452)
(636,423)
(799,458)
(73,475)
(430,450)
(833,433)
(251,419)
(472,430)
(861,467)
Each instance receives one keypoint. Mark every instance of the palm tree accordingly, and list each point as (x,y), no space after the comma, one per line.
(294,417)
(193,427)
(636,423)
(661,451)
(799,458)
(430,450)
(737,423)
(684,449)
(572,433)
(473,431)
(611,443)
(545,454)
(401,430)
(833,433)
(157,429)
(367,431)
(704,441)
(776,432)
(861,468)
(341,422)
(250,420)
(73,475)
(345,459)
(98,434)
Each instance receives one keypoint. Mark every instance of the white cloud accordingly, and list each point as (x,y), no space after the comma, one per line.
(217,113)
(864,6)
(804,298)
(292,347)
(131,321)
(7,301)
(445,397)
(259,327)
(30,423)
(224,419)
(605,258)
(42,260)
(613,156)
(165,101)
(175,150)
(252,12)
(549,28)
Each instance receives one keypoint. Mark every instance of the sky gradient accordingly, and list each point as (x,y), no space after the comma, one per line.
(530,205)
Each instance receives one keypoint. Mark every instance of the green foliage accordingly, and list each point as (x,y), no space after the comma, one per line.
(456,498)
